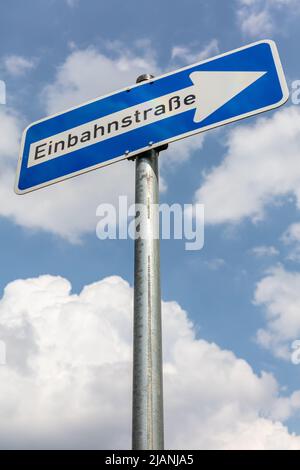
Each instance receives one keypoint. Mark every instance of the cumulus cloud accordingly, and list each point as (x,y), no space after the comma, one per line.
(10,133)
(261,167)
(215,263)
(291,238)
(190,54)
(292,234)
(278,293)
(258,18)
(17,65)
(263,250)
(69,383)
(255,23)
(88,73)
(179,152)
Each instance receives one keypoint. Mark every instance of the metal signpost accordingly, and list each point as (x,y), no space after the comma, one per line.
(147,408)
(138,122)
(147,403)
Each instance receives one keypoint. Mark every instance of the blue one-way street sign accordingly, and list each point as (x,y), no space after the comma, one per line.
(193,99)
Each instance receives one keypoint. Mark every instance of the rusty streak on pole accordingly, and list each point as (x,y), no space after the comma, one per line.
(147,406)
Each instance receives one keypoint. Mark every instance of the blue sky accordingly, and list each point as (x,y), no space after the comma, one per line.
(55,54)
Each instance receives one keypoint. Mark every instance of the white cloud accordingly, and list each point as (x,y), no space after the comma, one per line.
(67,380)
(10,132)
(279,295)
(17,65)
(261,251)
(88,73)
(258,18)
(180,151)
(67,209)
(261,167)
(255,23)
(292,234)
(215,263)
(291,238)
(285,407)
(190,54)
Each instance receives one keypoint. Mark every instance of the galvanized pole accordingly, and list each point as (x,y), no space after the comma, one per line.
(147,407)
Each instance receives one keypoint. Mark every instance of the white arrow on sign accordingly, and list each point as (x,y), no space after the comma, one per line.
(210,91)
(225,86)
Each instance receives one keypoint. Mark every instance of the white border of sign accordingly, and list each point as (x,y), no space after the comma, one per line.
(173,139)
